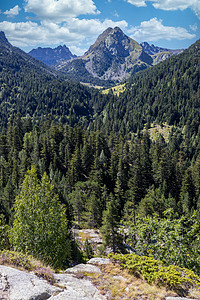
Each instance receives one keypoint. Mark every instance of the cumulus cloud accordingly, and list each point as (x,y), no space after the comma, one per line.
(93,27)
(194,27)
(58,23)
(138,3)
(26,34)
(13,11)
(154,30)
(60,10)
(77,50)
(170,4)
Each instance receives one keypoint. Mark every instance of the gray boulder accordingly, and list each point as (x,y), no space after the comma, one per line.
(83,268)
(25,286)
(76,289)
(99,261)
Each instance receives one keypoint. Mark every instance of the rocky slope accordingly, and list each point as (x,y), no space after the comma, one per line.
(99,279)
(51,56)
(114,57)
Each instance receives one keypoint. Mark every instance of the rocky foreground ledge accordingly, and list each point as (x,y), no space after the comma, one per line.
(19,285)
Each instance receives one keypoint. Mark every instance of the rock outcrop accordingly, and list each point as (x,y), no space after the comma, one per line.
(19,285)
(75,284)
(24,286)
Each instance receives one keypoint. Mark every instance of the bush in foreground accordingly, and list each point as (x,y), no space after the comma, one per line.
(155,272)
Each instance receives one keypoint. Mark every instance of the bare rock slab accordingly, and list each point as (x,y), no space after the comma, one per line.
(83,268)
(25,286)
(99,261)
(76,289)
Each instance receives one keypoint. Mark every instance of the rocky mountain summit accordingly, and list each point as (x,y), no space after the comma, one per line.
(51,56)
(114,57)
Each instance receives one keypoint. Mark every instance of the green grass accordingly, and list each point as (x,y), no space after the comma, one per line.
(118,89)
(156,130)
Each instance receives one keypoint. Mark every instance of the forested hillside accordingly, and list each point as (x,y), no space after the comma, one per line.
(169,92)
(30,88)
(94,154)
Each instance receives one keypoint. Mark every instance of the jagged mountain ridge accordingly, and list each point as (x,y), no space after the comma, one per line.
(152,50)
(3,40)
(113,58)
(51,56)
(157,53)
(25,60)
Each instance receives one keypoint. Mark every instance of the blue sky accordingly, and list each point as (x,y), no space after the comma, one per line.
(29,24)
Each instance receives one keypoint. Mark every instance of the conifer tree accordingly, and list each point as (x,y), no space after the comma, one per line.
(109,229)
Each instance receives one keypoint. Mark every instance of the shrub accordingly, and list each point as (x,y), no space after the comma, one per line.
(154,271)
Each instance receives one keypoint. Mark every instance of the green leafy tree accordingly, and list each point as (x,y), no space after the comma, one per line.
(171,239)
(40,226)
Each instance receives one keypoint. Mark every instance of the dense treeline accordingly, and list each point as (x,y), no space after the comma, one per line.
(92,147)
(89,168)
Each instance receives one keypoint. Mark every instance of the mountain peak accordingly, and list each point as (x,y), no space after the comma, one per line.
(113,57)
(117,29)
(51,56)
(3,39)
(110,32)
(114,41)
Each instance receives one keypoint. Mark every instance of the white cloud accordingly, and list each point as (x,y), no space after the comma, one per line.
(32,34)
(13,11)
(170,4)
(93,27)
(25,34)
(77,50)
(154,30)
(138,3)
(194,27)
(60,10)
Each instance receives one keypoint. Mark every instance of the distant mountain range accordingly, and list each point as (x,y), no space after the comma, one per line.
(30,88)
(113,58)
(24,59)
(167,92)
(51,56)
